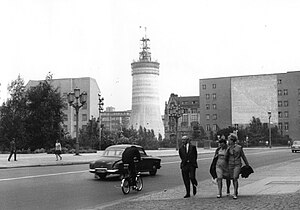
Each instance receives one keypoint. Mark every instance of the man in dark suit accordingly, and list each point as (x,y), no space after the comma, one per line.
(13,150)
(188,165)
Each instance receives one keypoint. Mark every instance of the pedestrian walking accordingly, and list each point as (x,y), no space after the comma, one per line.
(13,150)
(222,166)
(235,154)
(188,165)
(58,150)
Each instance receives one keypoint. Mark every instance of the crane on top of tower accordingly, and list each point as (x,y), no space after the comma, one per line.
(145,54)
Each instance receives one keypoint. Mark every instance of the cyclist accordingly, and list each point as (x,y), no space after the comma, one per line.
(130,156)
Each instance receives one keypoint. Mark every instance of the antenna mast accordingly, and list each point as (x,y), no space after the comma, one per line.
(145,54)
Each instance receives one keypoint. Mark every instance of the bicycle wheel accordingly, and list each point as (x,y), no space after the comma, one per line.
(125,186)
(139,183)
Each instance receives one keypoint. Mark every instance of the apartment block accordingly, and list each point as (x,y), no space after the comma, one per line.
(233,101)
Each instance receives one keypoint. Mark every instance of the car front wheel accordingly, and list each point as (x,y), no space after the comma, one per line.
(153,171)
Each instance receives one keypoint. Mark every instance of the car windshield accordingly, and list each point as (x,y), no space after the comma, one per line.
(113,152)
(296,142)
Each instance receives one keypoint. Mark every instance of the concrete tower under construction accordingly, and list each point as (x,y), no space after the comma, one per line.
(145,110)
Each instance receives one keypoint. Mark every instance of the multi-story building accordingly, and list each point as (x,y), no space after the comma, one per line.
(233,101)
(115,121)
(189,115)
(67,85)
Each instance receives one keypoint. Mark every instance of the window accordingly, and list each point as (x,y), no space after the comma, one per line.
(286,126)
(214,116)
(279,103)
(286,114)
(280,92)
(65,117)
(184,118)
(207,117)
(214,86)
(286,103)
(194,117)
(214,96)
(214,106)
(215,127)
(194,110)
(74,118)
(84,106)
(280,126)
(84,117)
(207,96)
(280,114)
(207,127)
(279,81)
(285,92)
(207,106)
(194,102)
(185,111)
(203,87)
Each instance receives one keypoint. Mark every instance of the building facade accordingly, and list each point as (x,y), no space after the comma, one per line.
(189,115)
(115,121)
(233,101)
(90,108)
(145,109)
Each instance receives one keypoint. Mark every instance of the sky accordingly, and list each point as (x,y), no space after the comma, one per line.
(191,39)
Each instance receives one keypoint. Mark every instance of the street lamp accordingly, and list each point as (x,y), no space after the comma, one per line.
(270,139)
(100,104)
(73,101)
(174,115)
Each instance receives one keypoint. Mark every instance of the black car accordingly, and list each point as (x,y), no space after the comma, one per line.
(111,162)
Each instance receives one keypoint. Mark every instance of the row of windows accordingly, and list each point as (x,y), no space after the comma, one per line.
(207,106)
(214,117)
(187,102)
(214,96)
(286,126)
(194,117)
(285,92)
(285,103)
(286,114)
(214,86)
(208,128)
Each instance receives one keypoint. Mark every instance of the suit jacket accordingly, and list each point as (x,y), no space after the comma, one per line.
(189,157)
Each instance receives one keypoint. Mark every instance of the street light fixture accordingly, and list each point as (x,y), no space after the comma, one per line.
(100,104)
(73,101)
(270,139)
(174,115)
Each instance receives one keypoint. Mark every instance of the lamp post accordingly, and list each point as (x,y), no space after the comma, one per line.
(77,104)
(174,115)
(100,104)
(270,139)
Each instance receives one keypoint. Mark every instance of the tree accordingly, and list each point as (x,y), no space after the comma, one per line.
(43,124)
(13,114)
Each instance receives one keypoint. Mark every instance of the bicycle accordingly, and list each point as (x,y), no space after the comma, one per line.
(126,183)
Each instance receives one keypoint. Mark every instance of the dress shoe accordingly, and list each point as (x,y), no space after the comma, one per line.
(194,189)
(187,196)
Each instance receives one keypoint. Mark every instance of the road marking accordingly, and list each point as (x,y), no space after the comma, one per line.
(44,175)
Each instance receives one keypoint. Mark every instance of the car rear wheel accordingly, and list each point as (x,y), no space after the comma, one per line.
(153,171)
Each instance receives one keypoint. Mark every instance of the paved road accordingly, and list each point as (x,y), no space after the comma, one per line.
(72,187)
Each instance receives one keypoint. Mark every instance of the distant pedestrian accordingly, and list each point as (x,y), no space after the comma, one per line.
(13,150)
(222,166)
(234,154)
(58,150)
(188,165)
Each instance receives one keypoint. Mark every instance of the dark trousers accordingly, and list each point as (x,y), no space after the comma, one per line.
(189,175)
(11,153)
